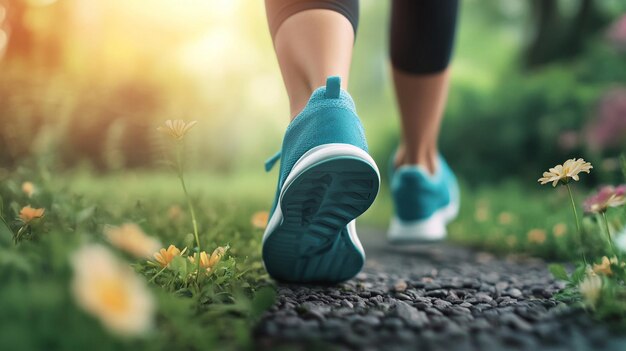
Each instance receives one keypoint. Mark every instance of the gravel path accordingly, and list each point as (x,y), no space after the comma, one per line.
(437,297)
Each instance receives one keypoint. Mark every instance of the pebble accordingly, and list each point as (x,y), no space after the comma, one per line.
(411,315)
(433,311)
(346,303)
(402,296)
(456,310)
(442,303)
(432,286)
(515,322)
(393,323)
(515,293)
(439,299)
(482,297)
(400,286)
(436,293)
(314,314)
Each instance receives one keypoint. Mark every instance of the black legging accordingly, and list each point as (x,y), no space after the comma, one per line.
(421,35)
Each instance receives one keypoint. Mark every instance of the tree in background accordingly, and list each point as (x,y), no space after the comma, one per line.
(559,33)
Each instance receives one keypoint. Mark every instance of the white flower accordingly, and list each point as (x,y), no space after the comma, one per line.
(590,288)
(563,173)
(129,237)
(176,129)
(110,290)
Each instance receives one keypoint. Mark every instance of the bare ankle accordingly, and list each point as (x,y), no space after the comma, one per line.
(425,159)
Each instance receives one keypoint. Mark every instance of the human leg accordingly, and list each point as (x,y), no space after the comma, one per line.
(326,177)
(312,40)
(425,191)
(421,41)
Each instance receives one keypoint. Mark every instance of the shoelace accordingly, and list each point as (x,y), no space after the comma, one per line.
(270,162)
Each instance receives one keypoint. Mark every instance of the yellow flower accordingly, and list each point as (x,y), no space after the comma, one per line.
(563,173)
(208,262)
(559,229)
(511,240)
(110,290)
(505,218)
(28,188)
(174,212)
(129,237)
(481,214)
(604,267)
(590,288)
(28,214)
(164,257)
(176,128)
(259,219)
(614,260)
(537,236)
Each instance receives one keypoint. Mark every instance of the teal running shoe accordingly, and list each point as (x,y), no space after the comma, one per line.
(424,203)
(326,180)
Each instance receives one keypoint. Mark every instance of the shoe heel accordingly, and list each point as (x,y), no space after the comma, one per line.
(316,240)
(432,229)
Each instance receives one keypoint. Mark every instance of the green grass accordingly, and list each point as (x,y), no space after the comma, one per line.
(500,218)
(497,218)
(219,311)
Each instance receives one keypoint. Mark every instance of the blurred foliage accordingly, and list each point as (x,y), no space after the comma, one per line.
(599,281)
(515,218)
(86,83)
(534,119)
(37,297)
(83,84)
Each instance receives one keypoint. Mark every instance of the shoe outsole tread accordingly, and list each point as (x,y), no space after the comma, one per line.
(312,244)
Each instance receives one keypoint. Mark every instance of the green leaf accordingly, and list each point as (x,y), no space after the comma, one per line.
(6,234)
(558,271)
(578,274)
(85,214)
(263,300)
(180,266)
(15,262)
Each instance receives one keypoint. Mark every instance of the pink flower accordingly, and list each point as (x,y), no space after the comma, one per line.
(568,140)
(608,129)
(608,196)
(617,33)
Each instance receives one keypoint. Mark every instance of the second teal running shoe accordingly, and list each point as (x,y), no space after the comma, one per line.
(424,203)
(326,180)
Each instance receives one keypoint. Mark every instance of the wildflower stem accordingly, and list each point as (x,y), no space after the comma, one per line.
(179,163)
(608,234)
(157,274)
(580,235)
(19,234)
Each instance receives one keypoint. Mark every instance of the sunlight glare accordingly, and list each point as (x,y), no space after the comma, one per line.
(41,2)
(4,39)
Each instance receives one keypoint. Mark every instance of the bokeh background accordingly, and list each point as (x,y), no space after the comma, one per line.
(84,84)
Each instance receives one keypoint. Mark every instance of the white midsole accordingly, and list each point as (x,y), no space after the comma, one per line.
(311,157)
(431,229)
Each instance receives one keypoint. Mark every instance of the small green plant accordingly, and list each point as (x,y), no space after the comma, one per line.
(563,174)
(600,287)
(177,130)
(64,267)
